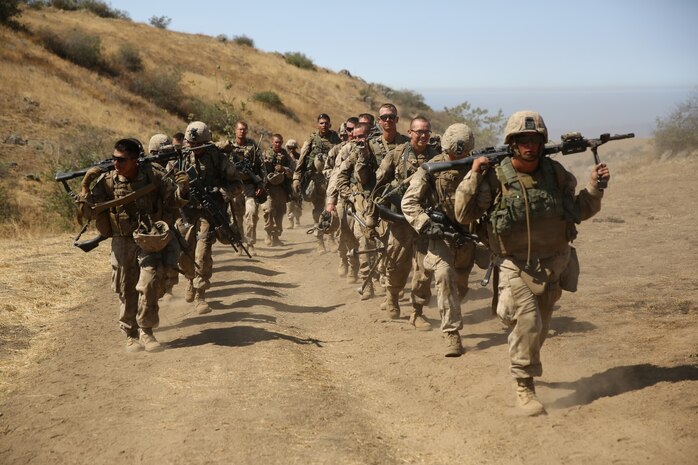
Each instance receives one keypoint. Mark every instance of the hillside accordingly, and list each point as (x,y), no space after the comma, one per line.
(57,109)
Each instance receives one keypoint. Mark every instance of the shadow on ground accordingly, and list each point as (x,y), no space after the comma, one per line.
(238,336)
(619,380)
(218,317)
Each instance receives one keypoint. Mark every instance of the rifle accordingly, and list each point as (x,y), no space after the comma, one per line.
(246,167)
(570,143)
(215,216)
(452,230)
(166,154)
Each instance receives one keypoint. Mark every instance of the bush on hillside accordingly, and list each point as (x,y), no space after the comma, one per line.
(269,98)
(160,86)
(101,9)
(486,127)
(127,57)
(80,47)
(243,40)
(85,146)
(9,9)
(160,22)
(299,59)
(220,117)
(9,210)
(679,131)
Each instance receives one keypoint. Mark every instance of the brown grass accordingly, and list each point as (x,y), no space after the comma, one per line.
(41,280)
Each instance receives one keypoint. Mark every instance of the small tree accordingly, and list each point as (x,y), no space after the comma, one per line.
(160,22)
(679,130)
(486,128)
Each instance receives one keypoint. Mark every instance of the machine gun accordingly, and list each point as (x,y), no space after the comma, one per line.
(213,213)
(570,143)
(244,165)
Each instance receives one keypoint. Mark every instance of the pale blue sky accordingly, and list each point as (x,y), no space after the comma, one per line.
(437,44)
(613,65)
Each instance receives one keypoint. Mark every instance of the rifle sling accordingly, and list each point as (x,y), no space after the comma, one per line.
(132,197)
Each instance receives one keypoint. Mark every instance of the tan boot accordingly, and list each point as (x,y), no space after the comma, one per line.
(268,240)
(132,342)
(189,291)
(251,250)
(418,320)
(321,246)
(276,242)
(201,305)
(392,306)
(343,269)
(368,292)
(148,340)
(454,346)
(527,400)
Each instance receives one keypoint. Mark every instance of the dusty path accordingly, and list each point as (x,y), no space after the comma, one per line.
(291,368)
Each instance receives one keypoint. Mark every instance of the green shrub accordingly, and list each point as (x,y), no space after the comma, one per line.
(220,117)
(243,40)
(161,86)
(80,47)
(84,146)
(128,57)
(268,98)
(101,9)
(486,127)
(300,60)
(160,22)
(679,131)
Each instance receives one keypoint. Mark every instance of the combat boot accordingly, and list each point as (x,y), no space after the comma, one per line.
(276,242)
(290,224)
(368,292)
(343,269)
(189,291)
(132,342)
(201,305)
(527,399)
(321,246)
(352,277)
(454,346)
(250,249)
(148,340)
(392,305)
(268,240)
(418,320)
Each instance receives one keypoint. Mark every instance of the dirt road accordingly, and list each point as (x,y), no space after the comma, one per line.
(290,367)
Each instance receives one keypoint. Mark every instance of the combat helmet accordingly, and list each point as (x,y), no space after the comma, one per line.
(276,177)
(197,132)
(291,144)
(525,122)
(458,140)
(154,239)
(157,142)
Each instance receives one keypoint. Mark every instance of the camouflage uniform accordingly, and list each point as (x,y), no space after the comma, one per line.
(245,201)
(295,204)
(533,254)
(450,265)
(405,250)
(137,276)
(382,148)
(347,241)
(278,188)
(356,178)
(309,173)
(215,171)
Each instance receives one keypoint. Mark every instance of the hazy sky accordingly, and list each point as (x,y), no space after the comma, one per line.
(591,66)
(438,44)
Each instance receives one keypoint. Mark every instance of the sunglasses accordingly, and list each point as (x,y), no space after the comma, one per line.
(388,117)
(349,129)
(421,132)
(121,159)
(528,140)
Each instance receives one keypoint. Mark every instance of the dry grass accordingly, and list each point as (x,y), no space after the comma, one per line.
(41,280)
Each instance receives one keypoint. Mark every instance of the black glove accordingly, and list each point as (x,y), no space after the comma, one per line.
(433,230)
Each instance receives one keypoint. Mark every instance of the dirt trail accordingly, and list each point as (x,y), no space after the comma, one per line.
(291,368)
